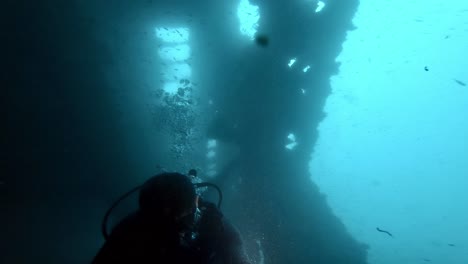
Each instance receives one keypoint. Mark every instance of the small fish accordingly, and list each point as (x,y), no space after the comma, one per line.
(383,231)
(426,68)
(460,82)
(452,245)
(166,28)
(427,260)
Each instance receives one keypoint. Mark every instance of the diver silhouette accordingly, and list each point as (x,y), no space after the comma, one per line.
(172,225)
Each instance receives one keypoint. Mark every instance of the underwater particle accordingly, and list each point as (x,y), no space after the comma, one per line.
(291,146)
(320,6)
(291,62)
(292,142)
(262,40)
(460,82)
(426,68)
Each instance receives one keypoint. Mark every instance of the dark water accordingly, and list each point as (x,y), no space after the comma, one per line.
(89,113)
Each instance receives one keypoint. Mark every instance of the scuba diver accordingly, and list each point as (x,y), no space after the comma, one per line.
(172,225)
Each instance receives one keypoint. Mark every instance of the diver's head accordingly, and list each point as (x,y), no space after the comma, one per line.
(170,199)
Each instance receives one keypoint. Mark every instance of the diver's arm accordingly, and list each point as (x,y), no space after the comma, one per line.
(120,245)
(107,254)
(234,252)
(215,228)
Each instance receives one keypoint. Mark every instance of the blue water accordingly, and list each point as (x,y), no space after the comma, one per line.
(393,150)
